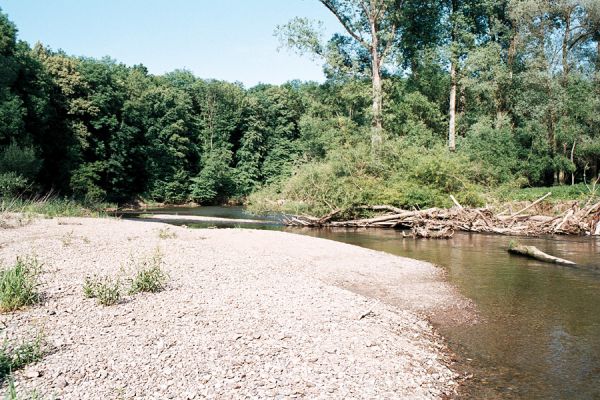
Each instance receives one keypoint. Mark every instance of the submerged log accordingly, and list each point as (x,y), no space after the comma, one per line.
(537,254)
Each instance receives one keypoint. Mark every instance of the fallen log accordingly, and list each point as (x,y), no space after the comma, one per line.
(535,253)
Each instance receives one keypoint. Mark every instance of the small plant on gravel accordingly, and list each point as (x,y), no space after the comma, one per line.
(15,356)
(150,276)
(106,290)
(19,284)
(166,233)
(67,239)
(12,394)
(90,287)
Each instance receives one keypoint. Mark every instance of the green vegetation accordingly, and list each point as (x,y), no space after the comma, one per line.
(19,284)
(14,356)
(166,233)
(422,100)
(51,206)
(12,394)
(149,276)
(106,290)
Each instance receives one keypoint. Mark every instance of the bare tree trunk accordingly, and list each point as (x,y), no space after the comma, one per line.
(453,62)
(573,162)
(377,127)
(452,111)
(512,52)
(565,46)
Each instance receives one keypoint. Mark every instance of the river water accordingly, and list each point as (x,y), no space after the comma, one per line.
(539,335)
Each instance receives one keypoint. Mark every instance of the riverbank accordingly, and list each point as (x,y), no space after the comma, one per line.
(245,314)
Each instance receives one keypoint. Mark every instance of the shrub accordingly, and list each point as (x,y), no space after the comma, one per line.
(19,284)
(12,184)
(22,161)
(150,276)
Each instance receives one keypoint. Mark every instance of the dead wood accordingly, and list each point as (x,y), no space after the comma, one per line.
(575,221)
(537,254)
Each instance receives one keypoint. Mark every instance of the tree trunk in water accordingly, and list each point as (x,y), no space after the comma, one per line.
(452,110)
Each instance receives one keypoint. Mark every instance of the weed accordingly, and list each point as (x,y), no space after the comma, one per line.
(16,356)
(150,276)
(90,287)
(12,394)
(19,284)
(67,239)
(106,290)
(109,292)
(166,233)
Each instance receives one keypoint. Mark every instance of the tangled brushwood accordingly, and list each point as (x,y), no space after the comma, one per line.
(441,223)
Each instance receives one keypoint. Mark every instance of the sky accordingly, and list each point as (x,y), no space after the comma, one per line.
(215,39)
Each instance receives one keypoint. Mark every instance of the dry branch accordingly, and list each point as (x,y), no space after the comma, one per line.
(575,221)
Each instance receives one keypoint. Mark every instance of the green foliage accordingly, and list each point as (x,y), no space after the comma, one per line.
(20,161)
(150,276)
(52,206)
(405,176)
(106,290)
(559,193)
(14,356)
(96,130)
(19,284)
(12,184)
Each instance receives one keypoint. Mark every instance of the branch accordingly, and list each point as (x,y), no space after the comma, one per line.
(389,45)
(344,21)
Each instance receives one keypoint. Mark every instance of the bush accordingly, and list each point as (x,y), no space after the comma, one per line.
(19,284)
(21,161)
(402,174)
(12,184)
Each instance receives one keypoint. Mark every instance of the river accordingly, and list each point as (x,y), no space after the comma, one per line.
(539,335)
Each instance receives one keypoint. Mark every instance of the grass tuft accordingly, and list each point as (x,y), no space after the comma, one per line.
(166,233)
(19,284)
(107,291)
(16,356)
(150,276)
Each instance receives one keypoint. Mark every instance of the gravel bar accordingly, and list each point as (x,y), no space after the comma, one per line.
(246,314)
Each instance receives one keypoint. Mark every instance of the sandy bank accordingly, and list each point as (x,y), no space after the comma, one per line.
(246,314)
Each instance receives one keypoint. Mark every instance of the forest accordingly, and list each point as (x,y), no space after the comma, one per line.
(423,99)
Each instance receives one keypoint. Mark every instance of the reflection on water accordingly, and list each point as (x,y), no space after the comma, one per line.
(540,337)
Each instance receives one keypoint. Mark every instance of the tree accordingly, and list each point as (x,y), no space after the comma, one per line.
(372,26)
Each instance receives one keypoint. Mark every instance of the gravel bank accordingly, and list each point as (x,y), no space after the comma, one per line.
(247,314)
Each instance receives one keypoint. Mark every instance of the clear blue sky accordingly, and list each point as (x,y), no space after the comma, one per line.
(221,39)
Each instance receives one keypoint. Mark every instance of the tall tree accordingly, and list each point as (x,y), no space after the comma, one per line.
(372,26)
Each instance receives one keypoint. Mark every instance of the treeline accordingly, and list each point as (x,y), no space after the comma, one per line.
(423,98)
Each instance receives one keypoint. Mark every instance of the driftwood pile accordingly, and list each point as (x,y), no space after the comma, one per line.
(441,223)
